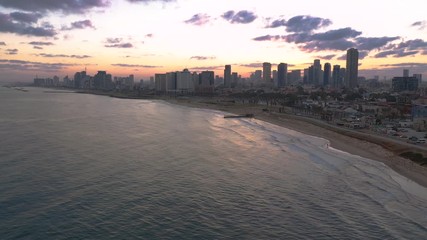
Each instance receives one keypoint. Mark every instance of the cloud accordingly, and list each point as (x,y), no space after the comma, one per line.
(46,55)
(242,17)
(37,47)
(150,1)
(206,68)
(198,19)
(395,53)
(306,23)
(362,55)
(150,35)
(277,23)
(114,40)
(25,17)
(336,40)
(336,34)
(403,49)
(371,43)
(2,44)
(421,25)
(252,65)
(35,43)
(12,51)
(268,38)
(416,44)
(201,58)
(10,25)
(22,65)
(326,57)
(334,45)
(65,6)
(80,25)
(134,65)
(117,43)
(406,64)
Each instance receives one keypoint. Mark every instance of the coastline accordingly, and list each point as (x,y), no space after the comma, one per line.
(356,143)
(353,142)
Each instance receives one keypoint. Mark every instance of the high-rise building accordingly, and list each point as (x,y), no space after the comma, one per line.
(160,82)
(352,66)
(295,77)
(205,85)
(336,78)
(326,74)
(275,79)
(317,73)
(419,77)
(282,70)
(406,72)
(184,83)
(171,82)
(266,72)
(227,76)
(400,84)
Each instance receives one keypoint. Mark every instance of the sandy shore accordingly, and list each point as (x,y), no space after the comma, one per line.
(357,143)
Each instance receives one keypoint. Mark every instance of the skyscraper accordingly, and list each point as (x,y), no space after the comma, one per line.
(266,72)
(336,78)
(282,70)
(227,76)
(352,66)
(326,74)
(406,72)
(317,73)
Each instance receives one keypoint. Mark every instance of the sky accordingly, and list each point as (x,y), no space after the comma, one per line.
(142,37)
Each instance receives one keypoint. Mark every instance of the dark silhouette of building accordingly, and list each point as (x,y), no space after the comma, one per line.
(352,66)
(205,85)
(400,84)
(266,72)
(282,70)
(336,77)
(326,74)
(227,76)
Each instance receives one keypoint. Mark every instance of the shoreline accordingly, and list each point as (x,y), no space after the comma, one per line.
(365,145)
(376,148)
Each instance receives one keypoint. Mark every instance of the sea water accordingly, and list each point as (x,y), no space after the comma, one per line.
(79,166)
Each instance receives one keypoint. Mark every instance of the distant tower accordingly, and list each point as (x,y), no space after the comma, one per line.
(317,73)
(336,78)
(352,66)
(406,72)
(326,74)
(419,77)
(227,76)
(282,70)
(266,72)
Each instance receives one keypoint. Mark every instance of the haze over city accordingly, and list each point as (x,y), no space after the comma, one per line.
(143,37)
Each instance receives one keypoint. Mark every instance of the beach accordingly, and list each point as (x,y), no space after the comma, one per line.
(357,143)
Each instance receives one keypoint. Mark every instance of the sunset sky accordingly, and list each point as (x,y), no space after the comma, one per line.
(143,37)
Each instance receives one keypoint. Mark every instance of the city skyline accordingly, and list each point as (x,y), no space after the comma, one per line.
(144,37)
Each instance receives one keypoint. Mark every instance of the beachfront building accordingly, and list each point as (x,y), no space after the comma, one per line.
(184,82)
(160,82)
(205,83)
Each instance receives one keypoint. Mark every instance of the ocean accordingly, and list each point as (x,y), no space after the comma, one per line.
(80,166)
